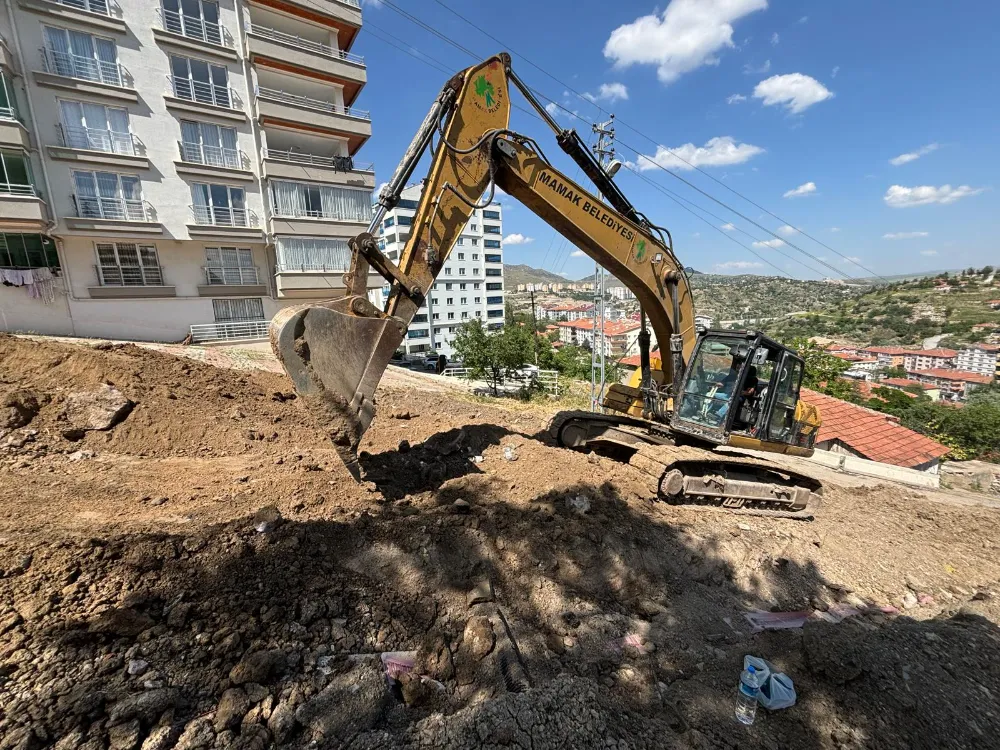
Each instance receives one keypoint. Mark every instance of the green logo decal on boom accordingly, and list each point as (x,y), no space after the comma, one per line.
(640,250)
(485,89)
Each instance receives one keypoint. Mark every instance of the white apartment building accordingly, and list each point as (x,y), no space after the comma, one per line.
(929,359)
(621,293)
(177,163)
(981,359)
(470,284)
(621,338)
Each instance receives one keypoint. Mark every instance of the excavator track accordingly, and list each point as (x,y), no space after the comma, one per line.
(692,476)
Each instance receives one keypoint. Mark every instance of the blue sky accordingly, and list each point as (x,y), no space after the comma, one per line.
(873,126)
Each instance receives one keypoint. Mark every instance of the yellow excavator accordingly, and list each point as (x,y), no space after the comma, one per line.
(681,415)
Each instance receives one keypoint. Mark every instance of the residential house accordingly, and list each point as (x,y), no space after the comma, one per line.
(981,358)
(954,384)
(929,359)
(903,384)
(887,356)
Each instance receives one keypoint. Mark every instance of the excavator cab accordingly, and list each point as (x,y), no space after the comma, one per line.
(742,388)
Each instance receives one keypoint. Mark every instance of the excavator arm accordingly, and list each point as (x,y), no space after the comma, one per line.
(336,352)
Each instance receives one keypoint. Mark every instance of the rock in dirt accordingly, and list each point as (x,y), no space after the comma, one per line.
(231,709)
(260,667)
(482,592)
(19,408)
(267,519)
(125,736)
(478,639)
(147,706)
(282,722)
(98,409)
(122,622)
(352,702)
(909,600)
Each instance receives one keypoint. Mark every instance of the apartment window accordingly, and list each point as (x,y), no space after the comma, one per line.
(451,330)
(479,300)
(450,301)
(206,143)
(435,316)
(473,227)
(219,205)
(312,254)
(491,215)
(494,271)
(475,256)
(461,256)
(494,287)
(464,301)
(297,199)
(107,195)
(438,330)
(460,241)
(15,173)
(461,287)
(75,54)
(197,19)
(491,244)
(407,204)
(461,270)
(451,316)
(475,242)
(238,310)
(95,127)
(447,271)
(92,6)
(230,265)
(422,318)
(27,251)
(479,313)
(494,300)
(200,81)
(494,313)
(476,285)
(128,264)
(475,271)
(491,229)
(8,101)
(390,222)
(493,259)
(434,300)
(405,221)
(447,287)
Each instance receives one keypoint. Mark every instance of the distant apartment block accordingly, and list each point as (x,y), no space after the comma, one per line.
(470,285)
(178,165)
(929,359)
(981,359)
(566,311)
(621,338)
(953,384)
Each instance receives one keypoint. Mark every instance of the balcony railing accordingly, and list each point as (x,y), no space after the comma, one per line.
(83,68)
(206,333)
(352,3)
(306,101)
(115,209)
(9,113)
(100,7)
(194,28)
(220,216)
(96,139)
(338,163)
(211,156)
(8,188)
(112,275)
(231,275)
(298,42)
(203,92)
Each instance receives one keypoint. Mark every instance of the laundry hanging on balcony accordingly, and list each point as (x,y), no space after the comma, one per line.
(39,282)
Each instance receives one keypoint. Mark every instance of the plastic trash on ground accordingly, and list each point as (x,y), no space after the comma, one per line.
(777,690)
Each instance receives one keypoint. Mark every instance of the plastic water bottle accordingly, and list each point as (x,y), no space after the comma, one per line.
(746,698)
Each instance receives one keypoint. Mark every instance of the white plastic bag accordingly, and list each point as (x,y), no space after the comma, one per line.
(776,688)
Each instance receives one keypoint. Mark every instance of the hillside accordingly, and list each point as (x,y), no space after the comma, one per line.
(757,298)
(515,274)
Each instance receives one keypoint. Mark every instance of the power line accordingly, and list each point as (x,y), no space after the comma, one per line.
(672,153)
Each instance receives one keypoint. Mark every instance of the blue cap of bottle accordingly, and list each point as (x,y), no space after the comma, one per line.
(750,669)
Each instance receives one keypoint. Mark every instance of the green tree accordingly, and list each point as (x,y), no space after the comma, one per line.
(821,368)
(492,355)
(895,372)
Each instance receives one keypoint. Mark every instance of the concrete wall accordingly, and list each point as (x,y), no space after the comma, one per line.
(19,313)
(854,465)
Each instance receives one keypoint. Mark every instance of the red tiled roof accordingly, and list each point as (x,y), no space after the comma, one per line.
(945,353)
(965,377)
(633,361)
(890,350)
(611,328)
(872,434)
(906,383)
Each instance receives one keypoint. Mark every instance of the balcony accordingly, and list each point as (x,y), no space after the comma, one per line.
(22,209)
(236,281)
(282,107)
(217,162)
(96,14)
(291,49)
(343,15)
(201,98)
(193,34)
(12,129)
(289,164)
(123,282)
(87,75)
(96,146)
(223,222)
(97,214)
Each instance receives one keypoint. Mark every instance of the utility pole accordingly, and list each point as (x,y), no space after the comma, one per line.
(534,326)
(604,148)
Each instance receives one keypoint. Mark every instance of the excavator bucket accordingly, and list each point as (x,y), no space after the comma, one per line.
(336,352)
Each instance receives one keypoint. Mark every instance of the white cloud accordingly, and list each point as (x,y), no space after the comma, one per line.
(685,36)
(775,39)
(796,91)
(517,239)
(928,252)
(750,70)
(696,234)
(609,92)
(898,196)
(770,243)
(729,227)
(787,230)
(851,259)
(563,273)
(903,235)
(804,19)
(834,229)
(735,99)
(833,73)
(379,189)
(718,152)
(738,264)
(906,158)
(806,188)
(578,254)
(552,108)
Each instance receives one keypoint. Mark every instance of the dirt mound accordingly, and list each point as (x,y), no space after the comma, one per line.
(169,583)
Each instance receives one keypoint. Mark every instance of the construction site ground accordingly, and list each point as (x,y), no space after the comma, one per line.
(206,574)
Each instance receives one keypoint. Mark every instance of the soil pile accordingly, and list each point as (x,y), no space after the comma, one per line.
(174,582)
